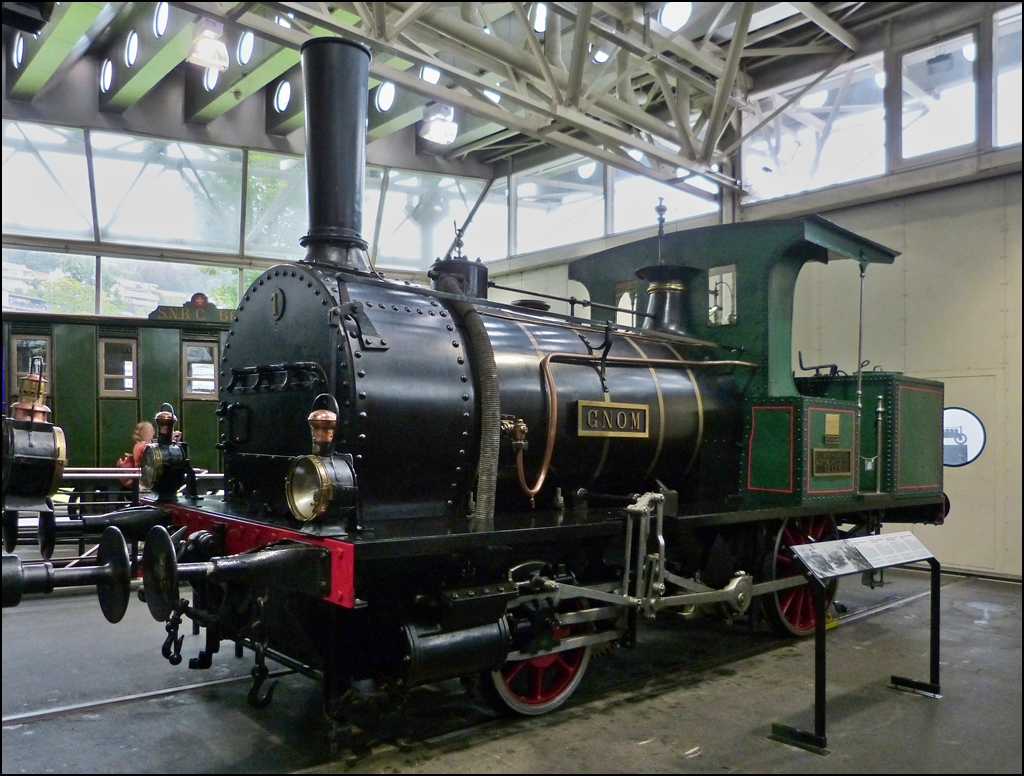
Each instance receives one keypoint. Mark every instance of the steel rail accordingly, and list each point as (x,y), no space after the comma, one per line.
(74,708)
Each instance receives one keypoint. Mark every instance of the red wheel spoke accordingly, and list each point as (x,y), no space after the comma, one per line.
(536,684)
(516,668)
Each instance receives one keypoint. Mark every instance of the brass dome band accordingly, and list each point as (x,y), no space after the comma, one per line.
(665,286)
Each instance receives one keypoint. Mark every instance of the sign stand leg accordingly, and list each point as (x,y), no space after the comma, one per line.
(816,741)
(932,687)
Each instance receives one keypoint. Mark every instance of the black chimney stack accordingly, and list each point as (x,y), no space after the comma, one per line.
(335,73)
(668,305)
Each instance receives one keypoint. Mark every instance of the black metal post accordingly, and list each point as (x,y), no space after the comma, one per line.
(818,593)
(936,581)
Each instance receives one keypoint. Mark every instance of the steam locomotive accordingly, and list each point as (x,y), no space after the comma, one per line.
(423,484)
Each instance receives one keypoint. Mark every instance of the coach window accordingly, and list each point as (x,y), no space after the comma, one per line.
(23,350)
(117,368)
(199,361)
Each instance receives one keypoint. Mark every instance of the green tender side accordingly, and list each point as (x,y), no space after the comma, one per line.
(799,450)
(919,463)
(911,449)
(771,449)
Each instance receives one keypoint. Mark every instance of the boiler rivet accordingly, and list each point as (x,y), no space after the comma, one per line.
(461,360)
(361,373)
(465,397)
(455,344)
(464,378)
(362,394)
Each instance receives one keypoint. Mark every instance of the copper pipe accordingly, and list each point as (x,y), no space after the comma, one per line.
(552,400)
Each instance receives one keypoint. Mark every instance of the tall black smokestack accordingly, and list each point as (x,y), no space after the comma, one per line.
(335,73)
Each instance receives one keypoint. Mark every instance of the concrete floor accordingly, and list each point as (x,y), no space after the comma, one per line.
(692,697)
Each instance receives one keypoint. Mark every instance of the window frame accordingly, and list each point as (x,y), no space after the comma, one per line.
(108,393)
(185,392)
(983,105)
(16,375)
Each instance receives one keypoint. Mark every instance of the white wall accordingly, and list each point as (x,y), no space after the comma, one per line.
(949,309)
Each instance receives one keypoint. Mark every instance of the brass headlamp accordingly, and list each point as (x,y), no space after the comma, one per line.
(35,451)
(165,464)
(321,485)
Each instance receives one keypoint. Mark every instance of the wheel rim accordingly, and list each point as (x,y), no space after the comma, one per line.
(540,684)
(794,608)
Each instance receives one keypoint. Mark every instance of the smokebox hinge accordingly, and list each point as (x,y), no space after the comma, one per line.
(354,319)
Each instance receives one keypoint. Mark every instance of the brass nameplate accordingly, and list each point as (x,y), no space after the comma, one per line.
(832,429)
(832,463)
(600,419)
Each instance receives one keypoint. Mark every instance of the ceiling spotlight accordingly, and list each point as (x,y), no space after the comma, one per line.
(246,45)
(160,19)
(131,49)
(675,15)
(106,76)
(814,100)
(601,56)
(492,96)
(210,78)
(385,96)
(540,18)
(282,96)
(18,55)
(430,74)
(970,52)
(208,50)
(586,169)
(880,80)
(439,125)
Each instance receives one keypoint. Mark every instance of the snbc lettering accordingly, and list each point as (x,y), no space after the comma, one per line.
(613,420)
